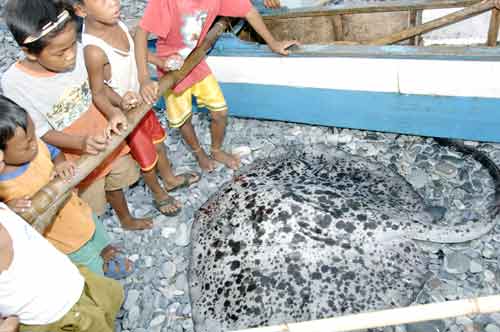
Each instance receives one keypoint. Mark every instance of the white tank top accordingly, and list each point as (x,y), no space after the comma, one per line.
(41,284)
(123,65)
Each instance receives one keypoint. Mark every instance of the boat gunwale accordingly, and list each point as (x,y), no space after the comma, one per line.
(367,8)
(231,46)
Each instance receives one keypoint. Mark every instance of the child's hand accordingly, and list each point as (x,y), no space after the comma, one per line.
(280,47)
(9,324)
(275,3)
(94,144)
(130,100)
(174,62)
(19,205)
(65,170)
(149,91)
(116,124)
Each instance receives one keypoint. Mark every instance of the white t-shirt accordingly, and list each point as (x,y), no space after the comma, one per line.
(54,101)
(124,76)
(41,284)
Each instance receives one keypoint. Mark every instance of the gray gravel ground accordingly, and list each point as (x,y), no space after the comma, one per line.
(157,293)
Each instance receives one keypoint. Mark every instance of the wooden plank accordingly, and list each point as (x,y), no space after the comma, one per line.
(493,29)
(413,23)
(338,27)
(391,6)
(415,20)
(446,20)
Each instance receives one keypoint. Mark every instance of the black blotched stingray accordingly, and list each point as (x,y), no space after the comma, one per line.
(311,235)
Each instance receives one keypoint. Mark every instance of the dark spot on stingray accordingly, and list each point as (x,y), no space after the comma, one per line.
(298,238)
(348,227)
(218,255)
(361,217)
(283,216)
(369,225)
(235,265)
(235,246)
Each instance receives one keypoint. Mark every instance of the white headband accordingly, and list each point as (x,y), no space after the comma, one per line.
(47,28)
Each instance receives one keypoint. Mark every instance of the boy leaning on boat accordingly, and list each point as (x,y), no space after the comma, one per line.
(180,26)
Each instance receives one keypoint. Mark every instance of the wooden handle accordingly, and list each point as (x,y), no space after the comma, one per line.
(51,194)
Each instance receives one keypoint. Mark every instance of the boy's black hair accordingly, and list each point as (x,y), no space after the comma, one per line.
(27,18)
(11,116)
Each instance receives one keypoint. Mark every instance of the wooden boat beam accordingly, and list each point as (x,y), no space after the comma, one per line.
(446,20)
(48,200)
(493,29)
(392,6)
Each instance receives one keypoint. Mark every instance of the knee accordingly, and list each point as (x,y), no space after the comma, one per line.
(219,116)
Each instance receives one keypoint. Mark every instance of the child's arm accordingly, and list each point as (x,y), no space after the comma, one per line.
(95,60)
(253,17)
(9,324)
(86,144)
(149,89)
(274,3)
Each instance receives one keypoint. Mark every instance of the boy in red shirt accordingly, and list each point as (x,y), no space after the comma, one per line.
(180,27)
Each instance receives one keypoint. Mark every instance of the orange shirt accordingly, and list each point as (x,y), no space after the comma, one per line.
(73,226)
(63,102)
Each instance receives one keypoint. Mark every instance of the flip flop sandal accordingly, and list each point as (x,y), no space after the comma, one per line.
(122,268)
(170,201)
(185,183)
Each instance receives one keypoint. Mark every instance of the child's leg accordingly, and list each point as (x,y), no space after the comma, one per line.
(123,174)
(209,95)
(218,127)
(145,152)
(179,108)
(117,200)
(189,136)
(170,180)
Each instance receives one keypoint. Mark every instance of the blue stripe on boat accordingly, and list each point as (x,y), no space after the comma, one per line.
(467,118)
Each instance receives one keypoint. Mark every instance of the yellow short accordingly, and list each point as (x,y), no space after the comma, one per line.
(124,173)
(208,94)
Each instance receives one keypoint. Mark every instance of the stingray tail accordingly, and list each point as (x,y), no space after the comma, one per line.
(484,160)
(466,232)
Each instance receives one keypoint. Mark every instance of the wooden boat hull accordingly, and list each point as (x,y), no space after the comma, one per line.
(439,92)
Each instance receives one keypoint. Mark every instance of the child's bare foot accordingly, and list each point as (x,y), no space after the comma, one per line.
(229,160)
(206,164)
(136,224)
(166,204)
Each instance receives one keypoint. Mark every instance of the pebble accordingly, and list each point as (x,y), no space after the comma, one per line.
(432,326)
(492,328)
(182,236)
(168,269)
(456,262)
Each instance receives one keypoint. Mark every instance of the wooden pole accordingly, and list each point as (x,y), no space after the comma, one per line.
(338,27)
(47,201)
(493,29)
(370,7)
(399,316)
(457,16)
(415,19)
